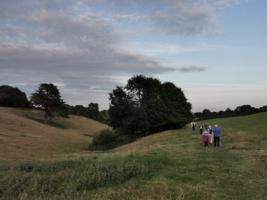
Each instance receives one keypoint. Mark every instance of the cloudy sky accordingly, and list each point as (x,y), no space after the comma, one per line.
(215,50)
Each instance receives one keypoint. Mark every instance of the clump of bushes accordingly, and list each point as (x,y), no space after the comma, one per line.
(105,139)
(108,139)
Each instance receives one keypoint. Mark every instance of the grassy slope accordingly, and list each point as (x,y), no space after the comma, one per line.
(254,124)
(167,165)
(23,137)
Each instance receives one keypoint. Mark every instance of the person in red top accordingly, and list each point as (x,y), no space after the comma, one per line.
(205,137)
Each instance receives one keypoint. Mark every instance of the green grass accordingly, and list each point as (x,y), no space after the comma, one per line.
(168,165)
(254,124)
(68,179)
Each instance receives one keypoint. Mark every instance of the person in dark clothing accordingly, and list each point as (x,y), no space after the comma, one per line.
(200,129)
(217,135)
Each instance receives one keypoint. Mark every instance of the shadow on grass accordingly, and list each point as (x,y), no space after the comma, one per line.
(49,123)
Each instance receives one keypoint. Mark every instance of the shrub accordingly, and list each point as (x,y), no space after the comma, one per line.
(105,139)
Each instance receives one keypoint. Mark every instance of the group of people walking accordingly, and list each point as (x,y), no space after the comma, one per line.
(209,135)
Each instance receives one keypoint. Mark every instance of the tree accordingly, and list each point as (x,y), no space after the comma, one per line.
(119,109)
(48,98)
(13,97)
(93,111)
(206,113)
(78,110)
(263,109)
(245,109)
(104,116)
(147,105)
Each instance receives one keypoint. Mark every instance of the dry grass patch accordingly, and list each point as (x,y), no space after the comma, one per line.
(22,138)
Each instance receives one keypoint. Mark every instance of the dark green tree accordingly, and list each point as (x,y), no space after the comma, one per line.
(176,105)
(104,116)
(263,109)
(93,111)
(146,105)
(206,113)
(120,108)
(245,109)
(13,97)
(49,99)
(78,110)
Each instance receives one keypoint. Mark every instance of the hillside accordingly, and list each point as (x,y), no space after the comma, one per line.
(24,137)
(167,165)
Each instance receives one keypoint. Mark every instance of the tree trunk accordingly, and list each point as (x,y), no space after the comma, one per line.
(46,114)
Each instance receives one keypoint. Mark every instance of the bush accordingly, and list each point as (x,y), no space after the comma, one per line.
(105,139)
(13,97)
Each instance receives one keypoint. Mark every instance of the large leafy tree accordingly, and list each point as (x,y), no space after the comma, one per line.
(12,97)
(48,98)
(147,105)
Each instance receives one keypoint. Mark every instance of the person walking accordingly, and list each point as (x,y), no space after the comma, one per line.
(206,125)
(210,135)
(193,126)
(205,137)
(200,129)
(216,135)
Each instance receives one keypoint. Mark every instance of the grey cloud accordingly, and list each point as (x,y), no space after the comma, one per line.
(188,69)
(60,27)
(66,41)
(83,77)
(46,41)
(12,9)
(78,60)
(170,16)
(186,20)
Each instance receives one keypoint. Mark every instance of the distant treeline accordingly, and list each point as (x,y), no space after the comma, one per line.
(91,111)
(238,111)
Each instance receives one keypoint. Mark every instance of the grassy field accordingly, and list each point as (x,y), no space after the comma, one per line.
(24,137)
(168,165)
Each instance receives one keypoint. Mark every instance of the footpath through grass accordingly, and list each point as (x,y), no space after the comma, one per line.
(167,165)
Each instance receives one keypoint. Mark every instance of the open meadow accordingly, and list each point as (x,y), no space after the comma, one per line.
(39,161)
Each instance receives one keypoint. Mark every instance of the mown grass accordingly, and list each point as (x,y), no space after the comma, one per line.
(168,165)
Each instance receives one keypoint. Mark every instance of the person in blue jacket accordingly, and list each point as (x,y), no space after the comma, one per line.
(216,135)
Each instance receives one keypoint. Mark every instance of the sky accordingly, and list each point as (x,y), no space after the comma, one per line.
(215,50)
